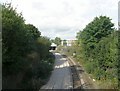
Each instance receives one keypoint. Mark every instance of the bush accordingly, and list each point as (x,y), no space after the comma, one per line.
(25,52)
(99,48)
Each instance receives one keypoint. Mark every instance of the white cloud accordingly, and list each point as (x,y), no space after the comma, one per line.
(52,16)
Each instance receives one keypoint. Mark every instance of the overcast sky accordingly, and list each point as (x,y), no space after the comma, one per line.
(64,18)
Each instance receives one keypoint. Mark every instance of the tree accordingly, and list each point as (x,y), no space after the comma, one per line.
(43,45)
(64,42)
(52,40)
(14,35)
(24,52)
(57,41)
(100,27)
(32,35)
(98,42)
(33,31)
(93,32)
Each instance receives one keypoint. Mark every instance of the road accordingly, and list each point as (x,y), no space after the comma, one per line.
(61,76)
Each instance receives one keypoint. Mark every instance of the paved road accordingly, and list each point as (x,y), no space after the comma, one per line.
(61,77)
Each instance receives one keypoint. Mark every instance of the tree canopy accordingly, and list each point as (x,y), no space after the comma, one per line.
(98,48)
(24,51)
(57,41)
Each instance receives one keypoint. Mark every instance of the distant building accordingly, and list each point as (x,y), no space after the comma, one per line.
(68,42)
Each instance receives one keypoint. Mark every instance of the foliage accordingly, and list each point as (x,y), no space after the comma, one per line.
(24,50)
(43,49)
(14,40)
(98,48)
(57,41)
(64,42)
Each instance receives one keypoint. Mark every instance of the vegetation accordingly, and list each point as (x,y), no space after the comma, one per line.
(97,49)
(64,42)
(25,53)
(57,41)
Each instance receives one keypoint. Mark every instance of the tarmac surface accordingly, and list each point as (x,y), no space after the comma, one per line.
(61,76)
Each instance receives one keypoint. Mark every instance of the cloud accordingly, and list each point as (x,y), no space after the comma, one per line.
(64,18)
(70,33)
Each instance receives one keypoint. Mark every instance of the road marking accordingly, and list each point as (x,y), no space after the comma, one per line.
(60,77)
(93,79)
(67,64)
(82,81)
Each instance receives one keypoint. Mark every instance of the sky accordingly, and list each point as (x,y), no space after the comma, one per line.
(119,11)
(64,18)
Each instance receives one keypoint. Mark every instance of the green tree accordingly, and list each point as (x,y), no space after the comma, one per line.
(64,42)
(32,35)
(43,44)
(98,28)
(57,41)
(98,47)
(14,41)
(52,40)
(24,52)
(35,33)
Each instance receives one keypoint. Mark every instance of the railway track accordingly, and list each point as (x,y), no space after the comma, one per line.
(75,73)
(77,76)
